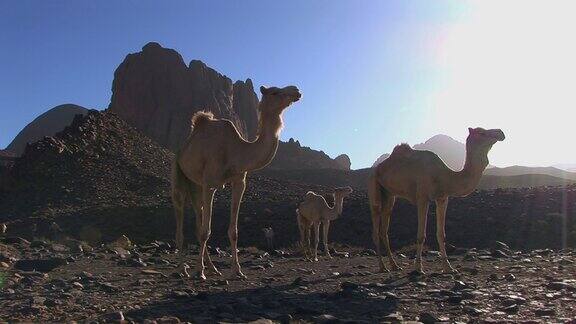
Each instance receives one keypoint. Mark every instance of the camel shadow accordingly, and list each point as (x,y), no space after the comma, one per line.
(279,303)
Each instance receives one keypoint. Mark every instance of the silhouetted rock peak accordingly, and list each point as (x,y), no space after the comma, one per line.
(47,124)
(293,156)
(344,161)
(451,151)
(156,92)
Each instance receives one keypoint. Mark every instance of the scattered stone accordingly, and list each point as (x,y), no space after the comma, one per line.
(41,265)
(545,312)
(326,319)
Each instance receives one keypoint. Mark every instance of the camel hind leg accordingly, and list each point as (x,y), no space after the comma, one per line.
(375,198)
(197,206)
(180,192)
(386,213)
(316,226)
(325,230)
(302,230)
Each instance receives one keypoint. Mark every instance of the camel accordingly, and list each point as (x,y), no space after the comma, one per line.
(215,154)
(314,211)
(420,177)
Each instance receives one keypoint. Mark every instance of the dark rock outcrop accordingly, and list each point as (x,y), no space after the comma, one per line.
(47,124)
(344,161)
(291,155)
(157,93)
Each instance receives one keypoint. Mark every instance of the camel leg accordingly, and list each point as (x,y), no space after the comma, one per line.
(197,206)
(422,215)
(307,231)
(376,219)
(385,225)
(302,227)
(178,200)
(204,235)
(316,239)
(325,229)
(237,187)
(179,214)
(441,206)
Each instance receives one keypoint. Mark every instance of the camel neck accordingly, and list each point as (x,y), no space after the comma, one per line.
(466,180)
(261,152)
(336,211)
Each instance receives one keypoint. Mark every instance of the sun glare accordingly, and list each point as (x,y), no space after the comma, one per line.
(511,65)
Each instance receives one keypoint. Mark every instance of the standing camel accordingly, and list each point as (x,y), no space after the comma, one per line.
(420,177)
(215,154)
(314,211)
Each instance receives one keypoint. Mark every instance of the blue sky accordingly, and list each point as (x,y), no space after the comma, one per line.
(372,73)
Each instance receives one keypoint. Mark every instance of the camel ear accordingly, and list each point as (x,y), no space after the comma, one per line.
(470,130)
(263,90)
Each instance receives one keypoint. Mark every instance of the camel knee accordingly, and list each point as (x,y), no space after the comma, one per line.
(376,238)
(204,235)
(421,239)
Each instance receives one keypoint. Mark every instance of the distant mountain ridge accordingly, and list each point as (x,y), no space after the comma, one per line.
(523,170)
(47,124)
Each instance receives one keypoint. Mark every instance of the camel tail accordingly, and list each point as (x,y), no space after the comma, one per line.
(200,118)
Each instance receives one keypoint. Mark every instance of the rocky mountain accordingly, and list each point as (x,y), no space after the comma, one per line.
(451,151)
(292,155)
(47,124)
(156,92)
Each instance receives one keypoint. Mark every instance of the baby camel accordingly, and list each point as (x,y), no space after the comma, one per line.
(419,177)
(314,210)
(215,154)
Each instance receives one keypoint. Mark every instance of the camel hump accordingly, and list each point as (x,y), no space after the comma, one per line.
(402,150)
(201,117)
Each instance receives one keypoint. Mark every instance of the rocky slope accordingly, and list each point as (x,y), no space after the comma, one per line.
(156,92)
(47,124)
(98,160)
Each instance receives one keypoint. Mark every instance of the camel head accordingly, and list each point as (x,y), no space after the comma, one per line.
(342,192)
(481,138)
(278,99)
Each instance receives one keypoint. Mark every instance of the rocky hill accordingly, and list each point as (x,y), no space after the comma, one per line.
(99,160)
(47,124)
(156,92)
